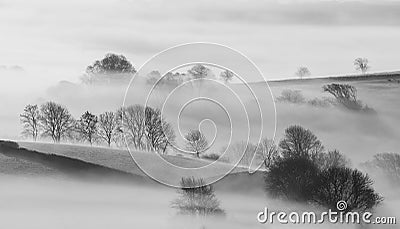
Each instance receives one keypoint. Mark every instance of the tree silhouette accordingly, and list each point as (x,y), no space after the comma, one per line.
(331,159)
(111,67)
(267,151)
(87,126)
(108,127)
(111,63)
(196,198)
(30,121)
(361,64)
(292,178)
(226,76)
(56,121)
(159,133)
(345,184)
(303,72)
(345,94)
(199,71)
(300,142)
(131,120)
(196,142)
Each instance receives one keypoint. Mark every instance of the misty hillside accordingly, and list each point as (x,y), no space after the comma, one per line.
(121,160)
(95,163)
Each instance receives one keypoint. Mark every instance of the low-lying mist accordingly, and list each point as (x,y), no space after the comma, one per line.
(357,135)
(43,203)
(48,203)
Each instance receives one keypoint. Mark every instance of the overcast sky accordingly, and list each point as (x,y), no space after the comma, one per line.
(55,40)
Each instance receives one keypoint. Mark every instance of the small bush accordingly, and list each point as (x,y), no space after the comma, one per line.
(291,96)
(323,102)
(196,198)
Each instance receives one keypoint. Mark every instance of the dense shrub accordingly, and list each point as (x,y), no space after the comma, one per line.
(345,184)
(305,173)
(300,179)
(196,198)
(292,179)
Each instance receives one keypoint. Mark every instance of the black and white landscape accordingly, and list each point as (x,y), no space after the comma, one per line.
(98,131)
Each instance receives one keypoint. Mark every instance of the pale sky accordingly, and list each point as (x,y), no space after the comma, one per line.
(55,40)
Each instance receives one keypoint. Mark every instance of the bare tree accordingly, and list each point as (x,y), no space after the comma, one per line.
(267,151)
(168,137)
(196,198)
(300,142)
(56,121)
(303,72)
(108,127)
(86,126)
(131,120)
(159,133)
(344,184)
(226,76)
(196,142)
(388,164)
(331,159)
(30,121)
(170,79)
(341,91)
(345,94)
(242,152)
(361,64)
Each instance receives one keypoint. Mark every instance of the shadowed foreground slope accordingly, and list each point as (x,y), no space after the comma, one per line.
(66,165)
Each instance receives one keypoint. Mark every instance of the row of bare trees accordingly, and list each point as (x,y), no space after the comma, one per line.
(50,120)
(114,67)
(361,64)
(142,127)
(197,72)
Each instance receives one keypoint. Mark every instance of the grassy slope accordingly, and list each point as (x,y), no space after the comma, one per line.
(121,159)
(16,160)
(83,162)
